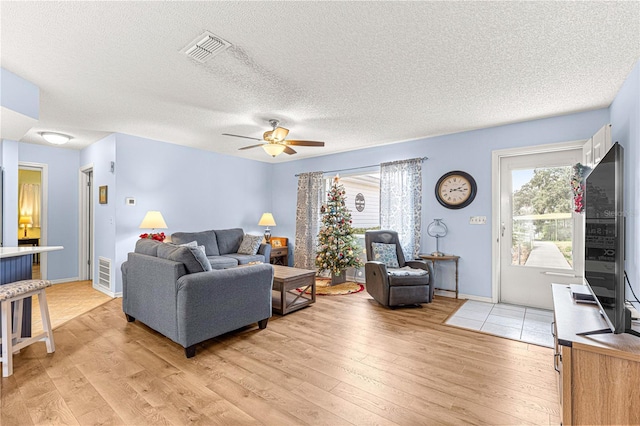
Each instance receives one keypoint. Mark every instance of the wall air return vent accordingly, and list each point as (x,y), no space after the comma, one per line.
(205,47)
(104,272)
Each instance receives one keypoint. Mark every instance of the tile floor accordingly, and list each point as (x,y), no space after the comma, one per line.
(529,325)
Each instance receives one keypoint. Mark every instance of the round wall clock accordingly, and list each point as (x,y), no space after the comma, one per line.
(456,189)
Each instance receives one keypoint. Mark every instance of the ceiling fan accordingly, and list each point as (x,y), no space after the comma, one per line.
(274,142)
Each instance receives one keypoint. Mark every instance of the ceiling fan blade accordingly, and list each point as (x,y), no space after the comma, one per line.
(250,146)
(304,143)
(289,150)
(280,133)
(239,136)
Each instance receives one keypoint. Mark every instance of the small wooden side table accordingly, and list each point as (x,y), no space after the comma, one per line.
(279,251)
(434,259)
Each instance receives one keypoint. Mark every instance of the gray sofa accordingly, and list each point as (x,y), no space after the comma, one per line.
(221,247)
(164,290)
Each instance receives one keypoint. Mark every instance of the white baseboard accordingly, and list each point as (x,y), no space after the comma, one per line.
(445,293)
(477,298)
(64,280)
(107,292)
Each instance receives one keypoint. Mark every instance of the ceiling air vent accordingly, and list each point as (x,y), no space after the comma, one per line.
(205,47)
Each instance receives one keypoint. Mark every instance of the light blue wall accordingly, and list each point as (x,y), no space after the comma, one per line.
(19,95)
(194,190)
(625,128)
(468,151)
(10,193)
(198,190)
(62,214)
(100,155)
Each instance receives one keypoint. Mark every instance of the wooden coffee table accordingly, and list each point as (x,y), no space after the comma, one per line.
(285,297)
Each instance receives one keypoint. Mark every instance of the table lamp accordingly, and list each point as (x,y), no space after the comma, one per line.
(153,220)
(267,220)
(25,222)
(437,229)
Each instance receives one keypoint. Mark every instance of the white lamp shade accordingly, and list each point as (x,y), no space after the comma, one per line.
(267,220)
(24,221)
(273,149)
(153,220)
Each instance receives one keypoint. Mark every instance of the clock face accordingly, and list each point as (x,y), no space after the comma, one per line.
(456,190)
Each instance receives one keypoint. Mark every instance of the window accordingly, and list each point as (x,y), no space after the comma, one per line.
(362,198)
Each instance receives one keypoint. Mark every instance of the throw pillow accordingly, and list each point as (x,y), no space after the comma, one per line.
(199,252)
(250,244)
(190,244)
(385,253)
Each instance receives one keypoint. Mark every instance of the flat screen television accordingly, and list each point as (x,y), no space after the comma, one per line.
(604,240)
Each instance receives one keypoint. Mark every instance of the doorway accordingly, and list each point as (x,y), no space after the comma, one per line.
(32,212)
(539,236)
(86,231)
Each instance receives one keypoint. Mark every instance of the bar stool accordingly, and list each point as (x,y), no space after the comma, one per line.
(11,331)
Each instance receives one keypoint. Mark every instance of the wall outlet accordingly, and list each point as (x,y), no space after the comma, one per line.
(478,220)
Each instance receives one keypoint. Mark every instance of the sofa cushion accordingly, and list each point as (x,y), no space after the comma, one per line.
(222,262)
(385,253)
(250,244)
(243,259)
(229,240)
(183,255)
(148,246)
(205,238)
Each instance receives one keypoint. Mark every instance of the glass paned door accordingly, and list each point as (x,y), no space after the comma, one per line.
(541,237)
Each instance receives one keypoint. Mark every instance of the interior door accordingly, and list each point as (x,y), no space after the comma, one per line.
(541,238)
(86,224)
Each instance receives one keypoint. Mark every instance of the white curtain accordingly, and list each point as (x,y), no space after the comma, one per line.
(310,191)
(401,202)
(29,202)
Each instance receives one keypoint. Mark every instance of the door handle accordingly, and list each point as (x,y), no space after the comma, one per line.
(502,229)
(557,359)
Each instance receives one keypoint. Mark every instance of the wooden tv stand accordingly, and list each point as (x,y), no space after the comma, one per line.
(599,381)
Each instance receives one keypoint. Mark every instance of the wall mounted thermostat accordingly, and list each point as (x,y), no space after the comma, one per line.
(130,201)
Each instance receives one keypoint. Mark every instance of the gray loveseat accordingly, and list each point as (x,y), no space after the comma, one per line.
(162,289)
(221,247)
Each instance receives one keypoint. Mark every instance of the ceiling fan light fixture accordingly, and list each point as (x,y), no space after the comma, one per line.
(55,138)
(280,133)
(273,149)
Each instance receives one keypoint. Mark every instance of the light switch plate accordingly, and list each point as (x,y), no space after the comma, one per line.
(478,220)
(130,201)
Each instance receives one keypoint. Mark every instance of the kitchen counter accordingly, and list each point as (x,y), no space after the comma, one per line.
(20,251)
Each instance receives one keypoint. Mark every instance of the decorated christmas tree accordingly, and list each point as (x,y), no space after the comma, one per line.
(337,246)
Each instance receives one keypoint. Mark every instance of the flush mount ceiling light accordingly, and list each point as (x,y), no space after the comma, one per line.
(55,138)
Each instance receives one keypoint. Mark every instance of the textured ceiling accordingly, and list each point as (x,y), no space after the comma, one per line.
(352,74)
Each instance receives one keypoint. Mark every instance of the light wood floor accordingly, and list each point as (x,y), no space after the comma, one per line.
(67,301)
(344,360)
